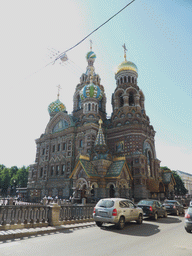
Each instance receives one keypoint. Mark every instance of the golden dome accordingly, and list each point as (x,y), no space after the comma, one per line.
(126,65)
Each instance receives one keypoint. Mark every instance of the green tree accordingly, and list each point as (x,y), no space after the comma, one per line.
(5,180)
(22,176)
(180,189)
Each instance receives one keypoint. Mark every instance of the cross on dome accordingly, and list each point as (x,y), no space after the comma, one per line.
(59,88)
(125,49)
(91,43)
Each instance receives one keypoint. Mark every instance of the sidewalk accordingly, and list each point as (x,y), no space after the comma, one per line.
(20,233)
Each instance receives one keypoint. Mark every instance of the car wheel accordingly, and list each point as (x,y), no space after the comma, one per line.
(121,223)
(177,213)
(165,214)
(155,216)
(140,219)
(99,224)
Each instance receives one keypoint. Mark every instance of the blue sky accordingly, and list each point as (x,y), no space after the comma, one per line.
(158,36)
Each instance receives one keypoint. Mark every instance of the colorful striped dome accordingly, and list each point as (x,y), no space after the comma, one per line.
(91,91)
(56,106)
(90,55)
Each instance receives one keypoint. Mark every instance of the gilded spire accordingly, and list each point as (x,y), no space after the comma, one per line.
(125,49)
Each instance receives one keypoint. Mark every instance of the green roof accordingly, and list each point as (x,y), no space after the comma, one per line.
(115,168)
(89,168)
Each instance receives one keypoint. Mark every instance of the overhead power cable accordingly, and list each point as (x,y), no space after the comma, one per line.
(59,56)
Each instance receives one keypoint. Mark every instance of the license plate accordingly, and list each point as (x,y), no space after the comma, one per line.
(103,214)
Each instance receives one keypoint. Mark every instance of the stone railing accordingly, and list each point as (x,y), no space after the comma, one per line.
(30,216)
(76,213)
(23,216)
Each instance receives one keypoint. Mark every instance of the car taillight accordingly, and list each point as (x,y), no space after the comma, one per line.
(174,206)
(94,210)
(114,213)
(187,216)
(150,208)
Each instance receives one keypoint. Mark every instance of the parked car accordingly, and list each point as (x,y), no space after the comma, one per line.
(117,211)
(188,220)
(174,207)
(152,208)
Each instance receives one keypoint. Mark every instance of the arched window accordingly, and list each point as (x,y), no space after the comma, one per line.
(125,79)
(96,108)
(80,143)
(131,99)
(133,80)
(129,79)
(149,166)
(121,80)
(89,107)
(93,106)
(79,102)
(121,101)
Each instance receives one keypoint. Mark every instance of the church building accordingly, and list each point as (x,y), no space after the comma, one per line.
(87,155)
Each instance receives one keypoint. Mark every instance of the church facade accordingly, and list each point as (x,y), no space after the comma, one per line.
(87,155)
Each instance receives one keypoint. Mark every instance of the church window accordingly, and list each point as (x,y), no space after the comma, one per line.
(53,150)
(89,107)
(57,170)
(79,102)
(43,151)
(125,79)
(93,107)
(69,153)
(132,79)
(64,146)
(81,143)
(121,80)
(52,170)
(41,172)
(129,79)
(119,124)
(61,125)
(69,148)
(63,169)
(136,160)
(69,142)
(131,99)
(96,108)
(121,101)
(58,147)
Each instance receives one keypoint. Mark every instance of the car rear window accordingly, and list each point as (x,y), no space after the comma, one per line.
(105,203)
(145,202)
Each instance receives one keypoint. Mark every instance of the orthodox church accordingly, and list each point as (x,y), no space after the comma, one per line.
(87,155)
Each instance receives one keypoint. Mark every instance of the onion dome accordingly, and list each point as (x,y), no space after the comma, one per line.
(55,107)
(91,91)
(90,55)
(127,65)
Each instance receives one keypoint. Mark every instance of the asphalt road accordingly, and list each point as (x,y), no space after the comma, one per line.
(164,237)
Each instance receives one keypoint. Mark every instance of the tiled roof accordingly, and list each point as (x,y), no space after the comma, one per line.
(89,168)
(115,168)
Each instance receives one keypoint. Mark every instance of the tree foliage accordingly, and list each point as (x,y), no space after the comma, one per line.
(13,177)
(179,187)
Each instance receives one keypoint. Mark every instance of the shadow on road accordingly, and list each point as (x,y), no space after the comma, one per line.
(168,220)
(133,229)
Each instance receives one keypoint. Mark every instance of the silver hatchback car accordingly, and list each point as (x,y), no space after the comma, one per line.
(117,211)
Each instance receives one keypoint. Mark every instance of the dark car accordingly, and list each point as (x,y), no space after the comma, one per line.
(174,207)
(188,220)
(152,208)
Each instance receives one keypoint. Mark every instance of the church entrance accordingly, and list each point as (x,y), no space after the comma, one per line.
(112,191)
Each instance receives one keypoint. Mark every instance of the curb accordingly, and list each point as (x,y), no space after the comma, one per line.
(20,233)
